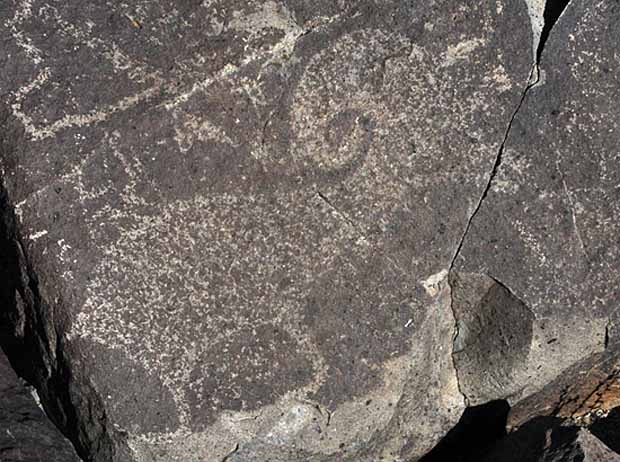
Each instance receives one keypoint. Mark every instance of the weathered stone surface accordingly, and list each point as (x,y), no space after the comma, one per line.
(546,232)
(585,391)
(278,231)
(494,335)
(592,448)
(241,216)
(26,435)
(549,226)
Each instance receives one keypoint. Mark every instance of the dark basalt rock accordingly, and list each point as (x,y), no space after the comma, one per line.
(548,226)
(583,392)
(283,231)
(494,335)
(26,435)
(248,210)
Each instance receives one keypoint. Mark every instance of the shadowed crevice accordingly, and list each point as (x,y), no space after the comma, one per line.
(479,428)
(553,11)
(607,429)
(536,440)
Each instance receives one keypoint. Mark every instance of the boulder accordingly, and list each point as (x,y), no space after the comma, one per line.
(290,231)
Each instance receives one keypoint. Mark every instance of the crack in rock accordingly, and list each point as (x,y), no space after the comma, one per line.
(231,453)
(553,11)
(76,406)
(455,336)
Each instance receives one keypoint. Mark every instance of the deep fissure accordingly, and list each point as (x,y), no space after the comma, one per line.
(553,11)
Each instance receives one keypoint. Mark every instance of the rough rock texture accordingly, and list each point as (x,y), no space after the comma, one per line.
(548,225)
(251,213)
(582,393)
(494,334)
(269,230)
(26,435)
(586,448)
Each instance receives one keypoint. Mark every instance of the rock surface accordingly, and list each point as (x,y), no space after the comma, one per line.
(548,225)
(256,230)
(26,435)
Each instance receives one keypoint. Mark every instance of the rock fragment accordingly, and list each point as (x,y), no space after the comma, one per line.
(494,337)
(26,434)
